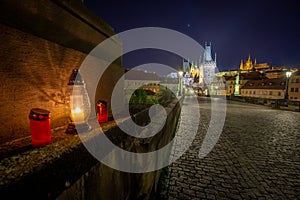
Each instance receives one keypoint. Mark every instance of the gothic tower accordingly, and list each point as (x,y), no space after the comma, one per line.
(209,65)
(185,65)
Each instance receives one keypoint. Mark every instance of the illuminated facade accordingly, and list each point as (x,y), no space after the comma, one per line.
(294,87)
(217,86)
(277,73)
(193,74)
(264,89)
(201,73)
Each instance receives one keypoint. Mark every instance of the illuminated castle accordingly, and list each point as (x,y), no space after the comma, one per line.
(203,72)
(250,66)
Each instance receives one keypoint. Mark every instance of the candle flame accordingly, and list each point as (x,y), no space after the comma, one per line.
(77,110)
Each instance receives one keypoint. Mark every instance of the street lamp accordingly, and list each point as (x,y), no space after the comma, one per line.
(79,107)
(287,74)
(180,74)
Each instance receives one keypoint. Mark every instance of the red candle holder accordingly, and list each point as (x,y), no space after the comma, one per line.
(40,127)
(102,111)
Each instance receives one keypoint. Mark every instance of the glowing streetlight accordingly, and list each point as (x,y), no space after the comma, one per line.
(288,75)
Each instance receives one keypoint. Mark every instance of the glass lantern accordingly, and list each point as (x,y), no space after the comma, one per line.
(78,104)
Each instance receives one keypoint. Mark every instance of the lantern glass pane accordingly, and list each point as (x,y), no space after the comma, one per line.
(78,104)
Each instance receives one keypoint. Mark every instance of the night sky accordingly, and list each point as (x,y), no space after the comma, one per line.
(268,30)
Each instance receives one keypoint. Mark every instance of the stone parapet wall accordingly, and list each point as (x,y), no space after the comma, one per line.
(103,182)
(66,170)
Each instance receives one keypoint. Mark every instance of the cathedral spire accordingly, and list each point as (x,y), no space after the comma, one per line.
(241,65)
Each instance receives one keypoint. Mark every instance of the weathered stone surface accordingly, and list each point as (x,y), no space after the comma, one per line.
(41,43)
(68,23)
(256,157)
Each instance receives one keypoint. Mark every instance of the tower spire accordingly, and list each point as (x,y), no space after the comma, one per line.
(208,53)
(241,65)
(216,57)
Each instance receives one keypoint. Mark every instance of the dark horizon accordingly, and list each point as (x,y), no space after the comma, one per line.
(266,30)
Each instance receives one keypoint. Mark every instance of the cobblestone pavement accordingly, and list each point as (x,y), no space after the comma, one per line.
(257,157)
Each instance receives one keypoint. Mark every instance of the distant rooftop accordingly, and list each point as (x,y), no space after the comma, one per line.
(141,75)
(251,76)
(277,83)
